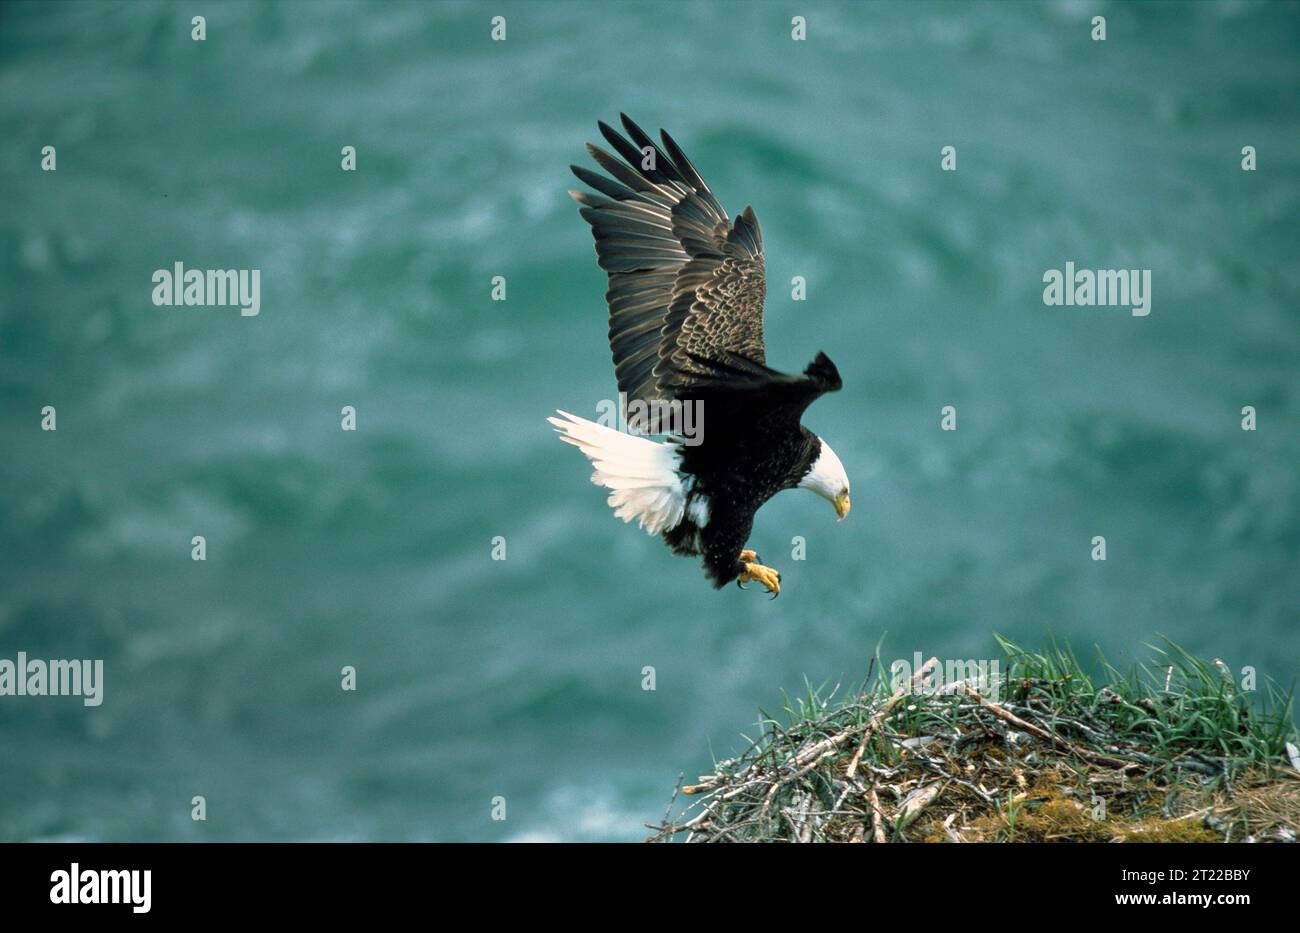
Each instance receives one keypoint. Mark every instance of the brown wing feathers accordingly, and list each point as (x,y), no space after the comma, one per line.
(683,280)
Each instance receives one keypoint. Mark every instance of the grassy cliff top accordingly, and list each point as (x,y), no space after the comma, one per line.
(1023,748)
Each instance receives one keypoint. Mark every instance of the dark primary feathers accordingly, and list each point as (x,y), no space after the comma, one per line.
(686,285)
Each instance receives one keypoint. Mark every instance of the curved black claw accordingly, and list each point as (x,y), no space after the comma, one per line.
(741,585)
(778,583)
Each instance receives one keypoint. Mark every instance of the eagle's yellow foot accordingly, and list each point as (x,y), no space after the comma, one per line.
(765,575)
(750,557)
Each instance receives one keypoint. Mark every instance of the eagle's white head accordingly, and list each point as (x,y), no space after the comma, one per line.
(828,479)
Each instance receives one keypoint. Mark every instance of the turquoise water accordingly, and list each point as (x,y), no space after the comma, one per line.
(522,678)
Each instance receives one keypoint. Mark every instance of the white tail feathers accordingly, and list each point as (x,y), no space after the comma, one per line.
(641,473)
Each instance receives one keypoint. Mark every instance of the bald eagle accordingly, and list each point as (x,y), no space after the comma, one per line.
(685,298)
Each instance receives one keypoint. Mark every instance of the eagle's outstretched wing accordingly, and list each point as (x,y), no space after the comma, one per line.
(684,282)
(746,395)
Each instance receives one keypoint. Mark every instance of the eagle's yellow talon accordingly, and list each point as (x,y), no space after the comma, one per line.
(770,578)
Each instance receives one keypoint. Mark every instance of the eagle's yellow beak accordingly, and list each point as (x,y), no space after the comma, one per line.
(842,505)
